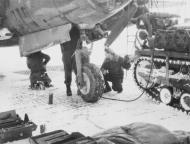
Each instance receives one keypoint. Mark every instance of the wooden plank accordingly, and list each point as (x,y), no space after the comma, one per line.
(60,139)
(47,138)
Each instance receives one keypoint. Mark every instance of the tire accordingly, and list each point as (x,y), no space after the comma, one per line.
(166,95)
(94,83)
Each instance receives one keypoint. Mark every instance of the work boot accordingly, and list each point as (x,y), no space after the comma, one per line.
(69,92)
(107,87)
(79,92)
(117,88)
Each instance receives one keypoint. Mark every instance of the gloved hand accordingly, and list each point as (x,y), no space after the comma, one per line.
(126,62)
(104,71)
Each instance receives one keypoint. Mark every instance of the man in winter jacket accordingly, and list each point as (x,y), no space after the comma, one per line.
(112,69)
(36,62)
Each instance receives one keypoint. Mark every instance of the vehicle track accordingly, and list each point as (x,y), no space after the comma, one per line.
(154,91)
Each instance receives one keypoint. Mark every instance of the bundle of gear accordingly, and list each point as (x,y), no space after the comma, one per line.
(177,40)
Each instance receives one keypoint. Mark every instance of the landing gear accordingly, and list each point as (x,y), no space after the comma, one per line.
(90,80)
(92,89)
(166,95)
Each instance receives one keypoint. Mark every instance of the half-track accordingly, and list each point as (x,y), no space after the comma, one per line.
(163,65)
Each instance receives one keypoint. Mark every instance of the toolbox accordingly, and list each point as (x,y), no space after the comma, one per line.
(12,127)
(61,137)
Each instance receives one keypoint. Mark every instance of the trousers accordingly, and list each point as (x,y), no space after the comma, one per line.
(116,82)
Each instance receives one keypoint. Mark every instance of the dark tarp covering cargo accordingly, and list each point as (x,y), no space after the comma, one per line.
(142,133)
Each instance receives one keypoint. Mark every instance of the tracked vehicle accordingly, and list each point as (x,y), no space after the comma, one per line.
(163,66)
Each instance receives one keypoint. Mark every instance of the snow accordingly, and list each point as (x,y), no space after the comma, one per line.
(72,113)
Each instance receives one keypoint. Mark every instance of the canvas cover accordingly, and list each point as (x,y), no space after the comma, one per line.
(139,133)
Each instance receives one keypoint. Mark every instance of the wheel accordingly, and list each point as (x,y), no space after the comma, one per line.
(93,83)
(185,101)
(166,95)
(143,73)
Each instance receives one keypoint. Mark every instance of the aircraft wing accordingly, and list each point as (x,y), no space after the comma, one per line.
(84,13)
(96,11)
(43,23)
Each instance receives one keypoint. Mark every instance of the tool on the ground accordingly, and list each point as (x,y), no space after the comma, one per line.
(50,98)
(42,128)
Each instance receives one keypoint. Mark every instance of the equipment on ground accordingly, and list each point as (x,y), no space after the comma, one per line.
(134,133)
(12,127)
(61,137)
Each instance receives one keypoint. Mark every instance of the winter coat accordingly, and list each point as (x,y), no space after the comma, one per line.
(36,62)
(115,67)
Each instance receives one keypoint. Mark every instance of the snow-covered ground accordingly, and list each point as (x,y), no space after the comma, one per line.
(72,113)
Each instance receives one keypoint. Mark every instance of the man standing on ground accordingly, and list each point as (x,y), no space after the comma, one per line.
(68,58)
